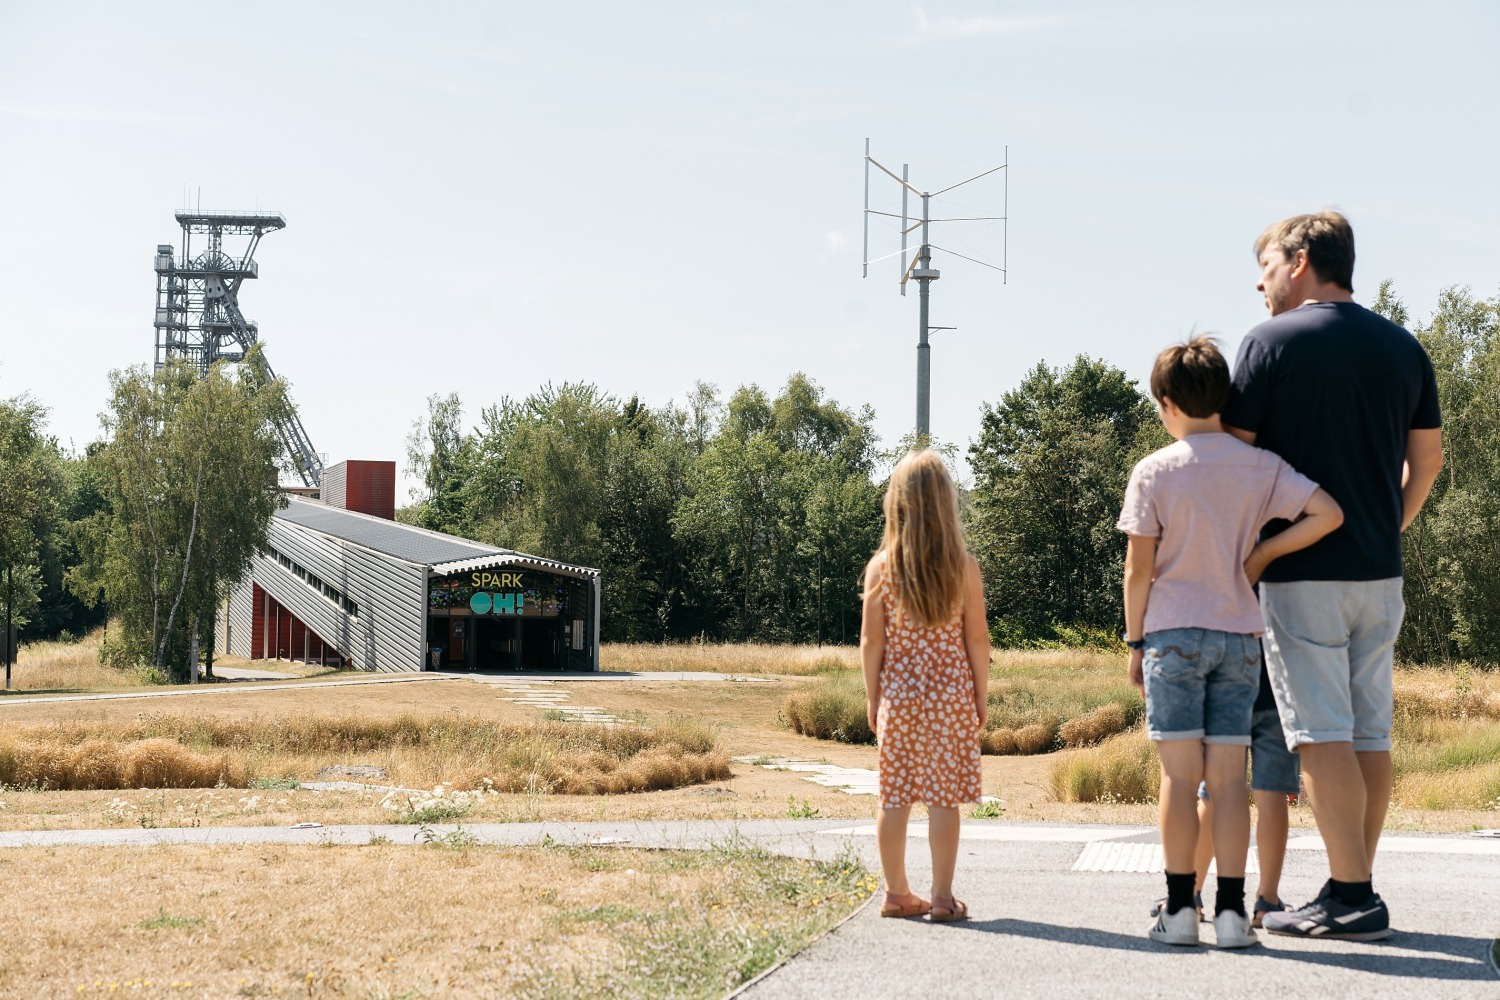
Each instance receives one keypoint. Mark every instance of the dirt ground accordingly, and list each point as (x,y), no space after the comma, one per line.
(389,921)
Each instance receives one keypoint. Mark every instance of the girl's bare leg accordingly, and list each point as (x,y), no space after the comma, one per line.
(942,837)
(1204,856)
(890,834)
(1271,825)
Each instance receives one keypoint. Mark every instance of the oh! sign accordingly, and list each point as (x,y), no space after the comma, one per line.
(497,604)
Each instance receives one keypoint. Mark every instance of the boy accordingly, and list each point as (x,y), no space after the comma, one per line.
(1193,511)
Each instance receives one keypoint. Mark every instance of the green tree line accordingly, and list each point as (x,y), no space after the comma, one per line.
(740,519)
(744,517)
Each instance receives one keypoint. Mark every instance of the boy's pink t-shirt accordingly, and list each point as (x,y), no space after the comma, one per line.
(1205,498)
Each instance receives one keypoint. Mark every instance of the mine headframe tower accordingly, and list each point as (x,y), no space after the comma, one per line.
(198,315)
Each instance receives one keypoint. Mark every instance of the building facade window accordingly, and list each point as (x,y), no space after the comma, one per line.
(310,578)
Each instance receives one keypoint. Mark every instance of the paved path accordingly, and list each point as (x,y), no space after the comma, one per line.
(1043,926)
(187,690)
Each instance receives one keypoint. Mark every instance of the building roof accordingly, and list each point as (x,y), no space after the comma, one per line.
(520,559)
(440,553)
(404,541)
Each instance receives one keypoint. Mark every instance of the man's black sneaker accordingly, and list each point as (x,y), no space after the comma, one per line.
(1330,917)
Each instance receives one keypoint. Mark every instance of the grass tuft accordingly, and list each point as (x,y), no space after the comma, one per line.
(465,752)
(729,658)
(833,707)
(1122,769)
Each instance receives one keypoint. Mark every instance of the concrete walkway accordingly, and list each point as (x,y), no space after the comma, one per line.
(1044,925)
(186,690)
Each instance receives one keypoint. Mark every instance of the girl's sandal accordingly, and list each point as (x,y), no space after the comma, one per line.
(913,906)
(949,912)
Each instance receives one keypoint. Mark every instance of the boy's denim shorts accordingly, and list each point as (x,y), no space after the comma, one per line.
(1201,684)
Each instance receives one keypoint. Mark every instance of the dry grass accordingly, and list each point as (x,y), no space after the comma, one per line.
(830,708)
(1095,727)
(403,921)
(464,751)
(1122,769)
(1459,692)
(1044,700)
(729,658)
(71,666)
(1039,701)
(1446,748)
(64,667)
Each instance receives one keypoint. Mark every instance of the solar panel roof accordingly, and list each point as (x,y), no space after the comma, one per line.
(390,537)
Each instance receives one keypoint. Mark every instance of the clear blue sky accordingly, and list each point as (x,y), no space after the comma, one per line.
(484,197)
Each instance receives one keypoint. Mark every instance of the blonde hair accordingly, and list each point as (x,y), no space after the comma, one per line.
(925,554)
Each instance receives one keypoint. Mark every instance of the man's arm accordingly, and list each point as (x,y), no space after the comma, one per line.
(1246,436)
(1424,460)
(977,637)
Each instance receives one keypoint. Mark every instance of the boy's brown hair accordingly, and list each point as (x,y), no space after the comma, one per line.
(1326,236)
(1193,375)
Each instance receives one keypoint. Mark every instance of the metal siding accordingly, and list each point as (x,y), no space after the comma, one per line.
(370,488)
(239,616)
(390,632)
(598,590)
(332,488)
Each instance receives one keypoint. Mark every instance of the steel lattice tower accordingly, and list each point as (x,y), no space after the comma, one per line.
(198,313)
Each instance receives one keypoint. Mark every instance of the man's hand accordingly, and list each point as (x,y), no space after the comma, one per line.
(1137,676)
(1255,564)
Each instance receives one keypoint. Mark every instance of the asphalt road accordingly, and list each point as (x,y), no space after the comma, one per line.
(1041,929)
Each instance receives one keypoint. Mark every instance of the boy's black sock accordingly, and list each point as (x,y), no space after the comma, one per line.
(1179,891)
(1352,893)
(1230,895)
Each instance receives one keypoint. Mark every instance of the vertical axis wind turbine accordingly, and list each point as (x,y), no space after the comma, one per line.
(921,266)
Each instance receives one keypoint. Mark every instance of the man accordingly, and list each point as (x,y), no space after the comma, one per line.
(1349,400)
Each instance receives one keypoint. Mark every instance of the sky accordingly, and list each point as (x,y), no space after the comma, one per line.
(482,198)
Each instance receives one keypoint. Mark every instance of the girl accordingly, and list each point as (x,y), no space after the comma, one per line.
(926,654)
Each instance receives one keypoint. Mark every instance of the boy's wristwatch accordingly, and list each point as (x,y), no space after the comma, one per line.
(1132,643)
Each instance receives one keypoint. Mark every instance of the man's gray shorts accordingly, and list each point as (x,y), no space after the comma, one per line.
(1330,647)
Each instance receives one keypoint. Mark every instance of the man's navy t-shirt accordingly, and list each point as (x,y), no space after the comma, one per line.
(1334,389)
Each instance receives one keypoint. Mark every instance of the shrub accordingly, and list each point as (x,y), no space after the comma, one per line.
(179,751)
(1121,769)
(833,707)
(1039,737)
(1101,723)
(97,764)
(999,742)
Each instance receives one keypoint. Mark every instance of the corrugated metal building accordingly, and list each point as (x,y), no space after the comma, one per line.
(344,585)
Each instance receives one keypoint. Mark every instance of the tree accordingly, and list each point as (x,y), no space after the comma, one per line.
(1050,466)
(28,503)
(1451,553)
(434,447)
(779,502)
(189,471)
(59,611)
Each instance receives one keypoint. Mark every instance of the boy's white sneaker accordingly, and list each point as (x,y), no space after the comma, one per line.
(1176,928)
(1232,930)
